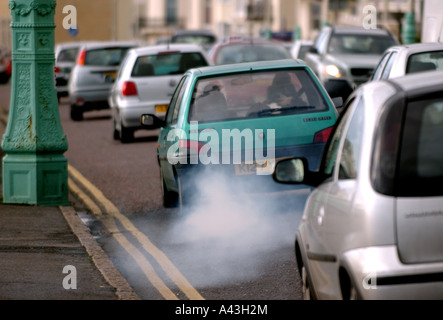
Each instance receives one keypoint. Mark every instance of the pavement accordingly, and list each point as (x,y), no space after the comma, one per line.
(48,253)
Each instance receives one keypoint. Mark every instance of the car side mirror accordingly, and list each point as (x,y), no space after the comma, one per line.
(151,121)
(338,102)
(290,171)
(313,50)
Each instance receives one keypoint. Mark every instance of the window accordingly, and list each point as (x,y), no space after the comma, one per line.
(425,61)
(174,105)
(350,155)
(105,56)
(171,11)
(167,64)
(386,146)
(421,158)
(380,67)
(359,44)
(68,55)
(208,10)
(255,95)
(333,145)
(389,64)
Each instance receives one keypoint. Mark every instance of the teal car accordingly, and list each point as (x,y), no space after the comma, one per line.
(235,121)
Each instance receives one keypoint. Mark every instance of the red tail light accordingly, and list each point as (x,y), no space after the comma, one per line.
(57,69)
(190,145)
(323,135)
(129,89)
(81,58)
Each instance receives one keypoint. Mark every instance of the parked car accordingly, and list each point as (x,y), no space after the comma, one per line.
(146,82)
(279,106)
(93,75)
(204,38)
(344,57)
(372,227)
(5,65)
(300,47)
(236,49)
(65,57)
(398,61)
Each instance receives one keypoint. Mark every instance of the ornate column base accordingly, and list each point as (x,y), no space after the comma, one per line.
(35,179)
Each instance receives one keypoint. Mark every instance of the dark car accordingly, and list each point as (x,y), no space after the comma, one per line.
(5,65)
(204,38)
(240,49)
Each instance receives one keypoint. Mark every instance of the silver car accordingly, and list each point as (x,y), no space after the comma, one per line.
(372,227)
(300,47)
(344,57)
(65,58)
(398,61)
(146,82)
(93,75)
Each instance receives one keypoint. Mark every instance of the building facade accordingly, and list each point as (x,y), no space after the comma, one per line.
(150,20)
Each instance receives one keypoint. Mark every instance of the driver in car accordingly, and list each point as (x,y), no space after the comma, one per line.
(282,92)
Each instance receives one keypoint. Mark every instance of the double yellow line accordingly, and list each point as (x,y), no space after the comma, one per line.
(109,217)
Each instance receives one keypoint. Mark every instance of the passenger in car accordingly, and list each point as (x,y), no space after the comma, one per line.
(210,105)
(282,92)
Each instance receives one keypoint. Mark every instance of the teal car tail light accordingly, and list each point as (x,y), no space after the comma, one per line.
(323,135)
(187,147)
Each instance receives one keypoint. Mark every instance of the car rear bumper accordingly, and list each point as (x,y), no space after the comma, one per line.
(130,114)
(242,178)
(96,99)
(378,273)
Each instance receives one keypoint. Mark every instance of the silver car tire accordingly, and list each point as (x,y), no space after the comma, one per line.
(353,294)
(306,288)
(126,134)
(116,133)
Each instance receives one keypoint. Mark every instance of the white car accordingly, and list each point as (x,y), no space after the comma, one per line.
(300,47)
(372,227)
(146,82)
(398,61)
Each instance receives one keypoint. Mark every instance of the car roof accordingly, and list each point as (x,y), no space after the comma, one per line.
(245,40)
(411,85)
(418,47)
(304,42)
(167,47)
(420,83)
(359,30)
(71,44)
(247,66)
(193,32)
(106,44)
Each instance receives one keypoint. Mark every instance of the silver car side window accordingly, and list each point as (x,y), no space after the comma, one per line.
(331,155)
(380,67)
(351,147)
(389,64)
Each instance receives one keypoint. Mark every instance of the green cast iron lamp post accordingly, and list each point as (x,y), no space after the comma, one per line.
(34,168)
